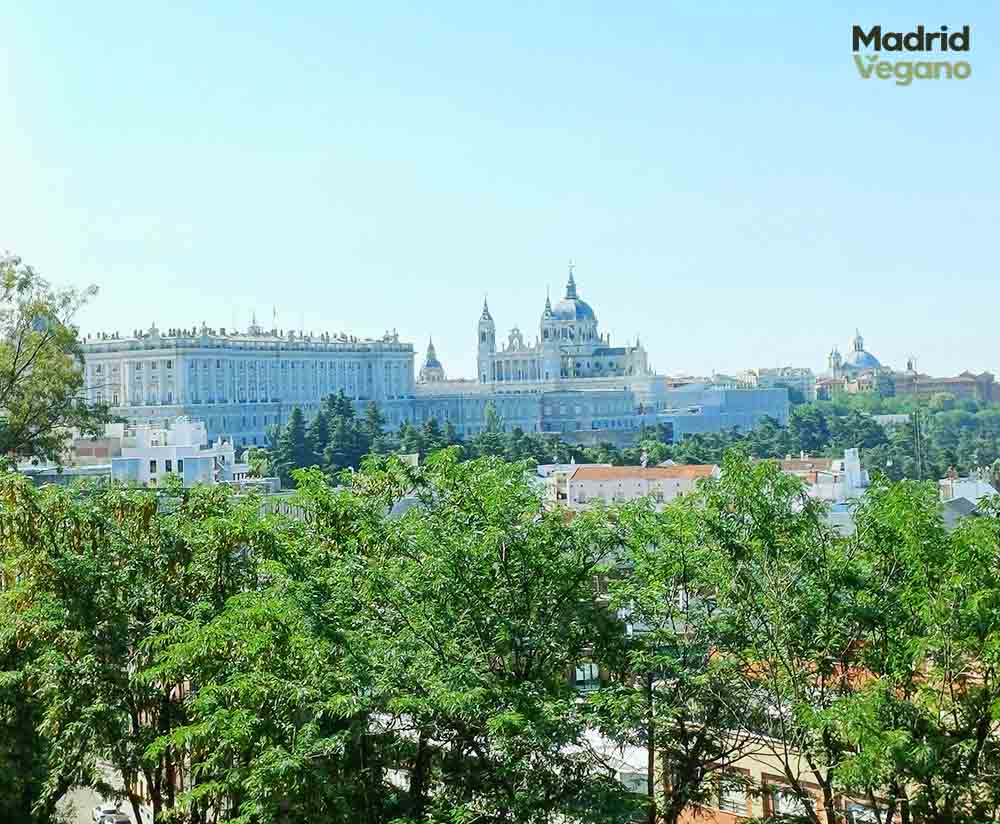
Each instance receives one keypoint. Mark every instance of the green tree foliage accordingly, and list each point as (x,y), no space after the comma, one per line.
(668,691)
(95,580)
(259,461)
(787,587)
(926,729)
(42,391)
(292,449)
(318,437)
(376,663)
(474,607)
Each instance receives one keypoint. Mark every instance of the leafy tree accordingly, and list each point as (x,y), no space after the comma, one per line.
(670,693)
(476,605)
(410,439)
(42,391)
(68,555)
(808,429)
(789,593)
(925,729)
(259,461)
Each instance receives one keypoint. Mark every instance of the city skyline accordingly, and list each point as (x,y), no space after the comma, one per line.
(729,188)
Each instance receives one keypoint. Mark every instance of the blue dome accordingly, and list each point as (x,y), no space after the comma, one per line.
(572,309)
(860,359)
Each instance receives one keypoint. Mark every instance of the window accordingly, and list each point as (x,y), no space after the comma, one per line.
(862,814)
(168,465)
(585,677)
(180,464)
(152,466)
(733,795)
(634,782)
(786,802)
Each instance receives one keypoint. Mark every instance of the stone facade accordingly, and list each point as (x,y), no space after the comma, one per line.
(570,381)
(241,384)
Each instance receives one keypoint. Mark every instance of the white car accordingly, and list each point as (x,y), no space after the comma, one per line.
(103,809)
(116,818)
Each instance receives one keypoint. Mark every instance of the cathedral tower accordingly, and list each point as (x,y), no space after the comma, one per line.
(487,345)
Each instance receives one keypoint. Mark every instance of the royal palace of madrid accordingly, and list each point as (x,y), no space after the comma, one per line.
(570,380)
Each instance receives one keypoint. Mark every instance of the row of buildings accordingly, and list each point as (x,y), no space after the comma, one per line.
(570,380)
(861,371)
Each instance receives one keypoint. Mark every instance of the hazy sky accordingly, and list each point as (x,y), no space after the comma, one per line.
(728,186)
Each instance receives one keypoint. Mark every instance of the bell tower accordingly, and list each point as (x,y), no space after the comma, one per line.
(487,345)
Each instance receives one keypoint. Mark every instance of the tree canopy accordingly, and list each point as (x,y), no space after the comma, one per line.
(41,365)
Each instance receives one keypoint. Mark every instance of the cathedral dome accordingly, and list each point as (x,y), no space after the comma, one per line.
(571,307)
(860,358)
(432,371)
(575,309)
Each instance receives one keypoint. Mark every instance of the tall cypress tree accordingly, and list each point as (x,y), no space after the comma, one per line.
(373,430)
(317,437)
(292,451)
(340,451)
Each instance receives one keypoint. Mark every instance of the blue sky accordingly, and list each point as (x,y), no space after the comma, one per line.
(728,186)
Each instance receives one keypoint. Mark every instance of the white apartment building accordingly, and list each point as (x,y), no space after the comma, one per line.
(835,480)
(180,448)
(590,484)
(974,488)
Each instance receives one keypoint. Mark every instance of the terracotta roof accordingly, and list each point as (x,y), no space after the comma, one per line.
(806,464)
(686,472)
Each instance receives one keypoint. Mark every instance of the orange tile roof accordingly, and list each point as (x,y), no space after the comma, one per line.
(688,472)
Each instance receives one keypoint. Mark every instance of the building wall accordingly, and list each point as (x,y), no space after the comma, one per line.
(964,387)
(242,384)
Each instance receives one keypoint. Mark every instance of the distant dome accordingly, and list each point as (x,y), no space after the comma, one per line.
(859,358)
(862,360)
(571,307)
(432,371)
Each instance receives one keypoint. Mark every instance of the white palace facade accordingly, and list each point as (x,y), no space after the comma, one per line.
(570,380)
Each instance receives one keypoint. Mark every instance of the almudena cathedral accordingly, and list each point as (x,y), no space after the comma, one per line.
(570,381)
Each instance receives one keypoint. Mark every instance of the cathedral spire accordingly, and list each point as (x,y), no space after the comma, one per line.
(486,310)
(548,303)
(571,284)
(859,342)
